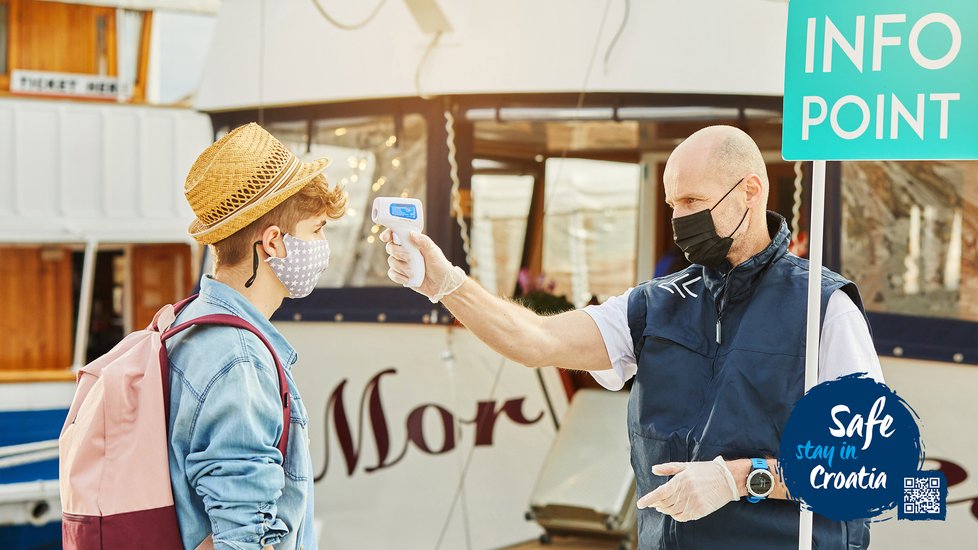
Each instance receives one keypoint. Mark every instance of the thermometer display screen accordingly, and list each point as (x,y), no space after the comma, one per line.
(406,211)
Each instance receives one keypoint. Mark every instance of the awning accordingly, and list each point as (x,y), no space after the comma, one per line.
(291,54)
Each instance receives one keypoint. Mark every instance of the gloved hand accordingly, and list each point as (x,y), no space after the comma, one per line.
(697,489)
(441,278)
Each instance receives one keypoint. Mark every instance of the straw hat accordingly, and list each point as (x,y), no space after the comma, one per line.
(239,178)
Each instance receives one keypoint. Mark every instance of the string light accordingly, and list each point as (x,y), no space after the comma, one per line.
(340,132)
(354,178)
(396,163)
(391,141)
(371,239)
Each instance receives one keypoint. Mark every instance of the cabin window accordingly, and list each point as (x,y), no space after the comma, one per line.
(909,235)
(371,157)
(500,207)
(590,228)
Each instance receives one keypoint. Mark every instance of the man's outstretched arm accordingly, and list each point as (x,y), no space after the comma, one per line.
(569,340)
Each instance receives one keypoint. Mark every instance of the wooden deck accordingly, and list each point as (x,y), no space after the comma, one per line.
(567,543)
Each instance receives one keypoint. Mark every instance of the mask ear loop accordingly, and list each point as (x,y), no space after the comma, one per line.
(739,224)
(725,196)
(254,264)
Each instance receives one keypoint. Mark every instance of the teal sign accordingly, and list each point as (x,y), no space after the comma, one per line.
(881,79)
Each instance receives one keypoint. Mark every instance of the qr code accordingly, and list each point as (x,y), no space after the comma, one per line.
(924,497)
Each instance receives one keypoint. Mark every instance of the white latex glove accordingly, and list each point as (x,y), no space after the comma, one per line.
(441,278)
(697,489)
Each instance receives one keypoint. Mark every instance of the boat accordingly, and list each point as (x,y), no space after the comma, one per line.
(536,134)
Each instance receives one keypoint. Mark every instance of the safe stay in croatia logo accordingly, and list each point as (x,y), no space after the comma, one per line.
(852,450)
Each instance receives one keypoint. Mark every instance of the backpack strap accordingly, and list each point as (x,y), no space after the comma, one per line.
(221,319)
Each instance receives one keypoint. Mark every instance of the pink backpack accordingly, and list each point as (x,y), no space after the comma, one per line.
(114,470)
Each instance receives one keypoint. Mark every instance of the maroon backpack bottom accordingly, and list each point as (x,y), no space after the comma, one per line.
(154,529)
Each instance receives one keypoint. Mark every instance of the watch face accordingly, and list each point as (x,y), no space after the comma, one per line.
(760,483)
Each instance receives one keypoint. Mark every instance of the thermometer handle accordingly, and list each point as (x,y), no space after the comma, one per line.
(416,259)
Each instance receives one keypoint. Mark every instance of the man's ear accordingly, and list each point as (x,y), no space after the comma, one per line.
(755,190)
(272,243)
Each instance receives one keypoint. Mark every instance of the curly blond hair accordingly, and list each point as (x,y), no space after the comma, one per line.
(314,199)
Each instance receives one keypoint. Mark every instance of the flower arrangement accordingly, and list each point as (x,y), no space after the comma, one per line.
(537,293)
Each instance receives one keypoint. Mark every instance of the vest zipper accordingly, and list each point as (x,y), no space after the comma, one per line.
(719,308)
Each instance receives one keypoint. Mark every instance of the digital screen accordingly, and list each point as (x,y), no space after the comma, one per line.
(406,211)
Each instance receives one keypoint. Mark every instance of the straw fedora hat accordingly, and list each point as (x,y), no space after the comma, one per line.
(239,178)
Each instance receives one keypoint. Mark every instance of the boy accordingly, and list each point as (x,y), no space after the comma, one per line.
(263,211)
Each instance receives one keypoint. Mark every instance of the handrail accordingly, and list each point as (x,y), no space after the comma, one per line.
(28,453)
(37,375)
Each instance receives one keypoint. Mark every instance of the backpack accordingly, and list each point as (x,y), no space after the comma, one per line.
(114,469)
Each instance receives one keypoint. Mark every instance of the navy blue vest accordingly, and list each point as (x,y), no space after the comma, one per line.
(721,362)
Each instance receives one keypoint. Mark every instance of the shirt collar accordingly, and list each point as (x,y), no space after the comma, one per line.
(739,279)
(218,293)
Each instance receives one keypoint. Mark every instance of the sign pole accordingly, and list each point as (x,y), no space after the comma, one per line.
(816,222)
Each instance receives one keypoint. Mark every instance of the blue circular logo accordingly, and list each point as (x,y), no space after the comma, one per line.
(847,448)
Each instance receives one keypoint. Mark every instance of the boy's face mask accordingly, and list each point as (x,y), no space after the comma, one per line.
(300,269)
(697,237)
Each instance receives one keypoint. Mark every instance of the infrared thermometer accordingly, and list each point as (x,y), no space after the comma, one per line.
(403,216)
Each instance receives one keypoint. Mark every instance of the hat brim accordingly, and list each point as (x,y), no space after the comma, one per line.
(205,234)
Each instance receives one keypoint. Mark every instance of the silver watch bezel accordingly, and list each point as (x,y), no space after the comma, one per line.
(756,472)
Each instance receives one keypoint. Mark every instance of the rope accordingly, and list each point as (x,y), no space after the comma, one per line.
(422,62)
(580,99)
(456,185)
(347,26)
(614,40)
(796,205)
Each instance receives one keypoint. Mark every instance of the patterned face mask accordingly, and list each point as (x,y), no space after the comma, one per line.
(301,267)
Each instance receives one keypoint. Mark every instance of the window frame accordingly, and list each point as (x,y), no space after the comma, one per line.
(11,6)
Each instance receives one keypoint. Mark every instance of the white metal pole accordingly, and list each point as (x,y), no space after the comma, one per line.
(85,304)
(814,312)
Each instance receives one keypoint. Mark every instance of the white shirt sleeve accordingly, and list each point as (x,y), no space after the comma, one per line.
(846,346)
(612,320)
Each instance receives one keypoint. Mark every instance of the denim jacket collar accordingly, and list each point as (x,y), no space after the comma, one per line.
(220,294)
(740,279)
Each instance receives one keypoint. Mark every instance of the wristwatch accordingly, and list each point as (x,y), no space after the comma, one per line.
(760,481)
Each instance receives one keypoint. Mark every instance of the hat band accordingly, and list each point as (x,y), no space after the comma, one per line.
(277,183)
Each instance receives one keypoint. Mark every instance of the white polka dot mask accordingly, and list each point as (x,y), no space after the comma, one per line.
(302,265)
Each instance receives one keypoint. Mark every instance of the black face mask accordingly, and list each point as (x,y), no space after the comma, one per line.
(697,236)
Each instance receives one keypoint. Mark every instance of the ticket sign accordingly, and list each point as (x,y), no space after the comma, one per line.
(881,79)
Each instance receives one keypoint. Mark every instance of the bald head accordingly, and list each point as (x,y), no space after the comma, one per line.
(704,167)
(721,153)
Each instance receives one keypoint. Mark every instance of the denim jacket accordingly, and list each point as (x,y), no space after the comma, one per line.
(225,422)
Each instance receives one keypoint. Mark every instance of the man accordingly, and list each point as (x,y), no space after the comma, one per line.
(716,351)
(264,213)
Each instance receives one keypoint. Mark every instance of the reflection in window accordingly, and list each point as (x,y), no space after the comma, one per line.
(909,236)
(500,206)
(370,158)
(590,228)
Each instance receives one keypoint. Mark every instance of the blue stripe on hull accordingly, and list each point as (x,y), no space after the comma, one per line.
(28,537)
(17,427)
